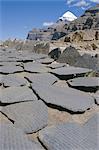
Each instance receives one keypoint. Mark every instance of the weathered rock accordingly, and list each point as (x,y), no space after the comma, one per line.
(69,72)
(10,69)
(35,67)
(12,80)
(44,78)
(16,94)
(46,60)
(56,65)
(64,98)
(14,139)
(69,55)
(88,84)
(42,47)
(55,53)
(28,116)
(71,136)
(87,61)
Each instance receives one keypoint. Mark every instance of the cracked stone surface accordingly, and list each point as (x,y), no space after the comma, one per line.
(14,139)
(44,78)
(35,67)
(70,72)
(13,80)
(35,103)
(16,94)
(64,97)
(85,83)
(72,136)
(28,116)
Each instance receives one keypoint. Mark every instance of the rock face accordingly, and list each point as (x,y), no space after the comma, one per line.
(39,34)
(90,20)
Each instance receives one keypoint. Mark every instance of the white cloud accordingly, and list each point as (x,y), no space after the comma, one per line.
(70,1)
(46,24)
(81,3)
(95,1)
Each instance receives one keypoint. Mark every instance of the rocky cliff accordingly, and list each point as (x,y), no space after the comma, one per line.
(89,20)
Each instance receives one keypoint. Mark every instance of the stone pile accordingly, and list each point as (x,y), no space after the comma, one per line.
(39,106)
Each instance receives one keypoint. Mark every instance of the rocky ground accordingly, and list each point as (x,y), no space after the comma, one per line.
(45,104)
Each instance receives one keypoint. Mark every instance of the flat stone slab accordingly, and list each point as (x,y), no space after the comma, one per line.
(70,72)
(16,94)
(72,136)
(46,60)
(35,67)
(56,65)
(44,78)
(64,97)
(13,80)
(89,84)
(14,139)
(28,116)
(10,69)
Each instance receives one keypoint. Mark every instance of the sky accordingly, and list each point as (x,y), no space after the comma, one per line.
(18,17)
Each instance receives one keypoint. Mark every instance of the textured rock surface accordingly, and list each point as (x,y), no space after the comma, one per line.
(10,69)
(56,65)
(44,78)
(71,136)
(45,60)
(13,80)
(35,67)
(64,97)
(55,53)
(70,72)
(28,116)
(14,139)
(16,94)
(69,55)
(85,83)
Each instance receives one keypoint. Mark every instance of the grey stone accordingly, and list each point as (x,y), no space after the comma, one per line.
(28,116)
(64,97)
(14,139)
(87,61)
(55,53)
(44,78)
(35,67)
(46,60)
(10,69)
(89,84)
(16,94)
(69,55)
(72,136)
(70,72)
(56,65)
(13,80)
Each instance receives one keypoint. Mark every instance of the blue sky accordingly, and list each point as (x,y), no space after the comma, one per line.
(19,17)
